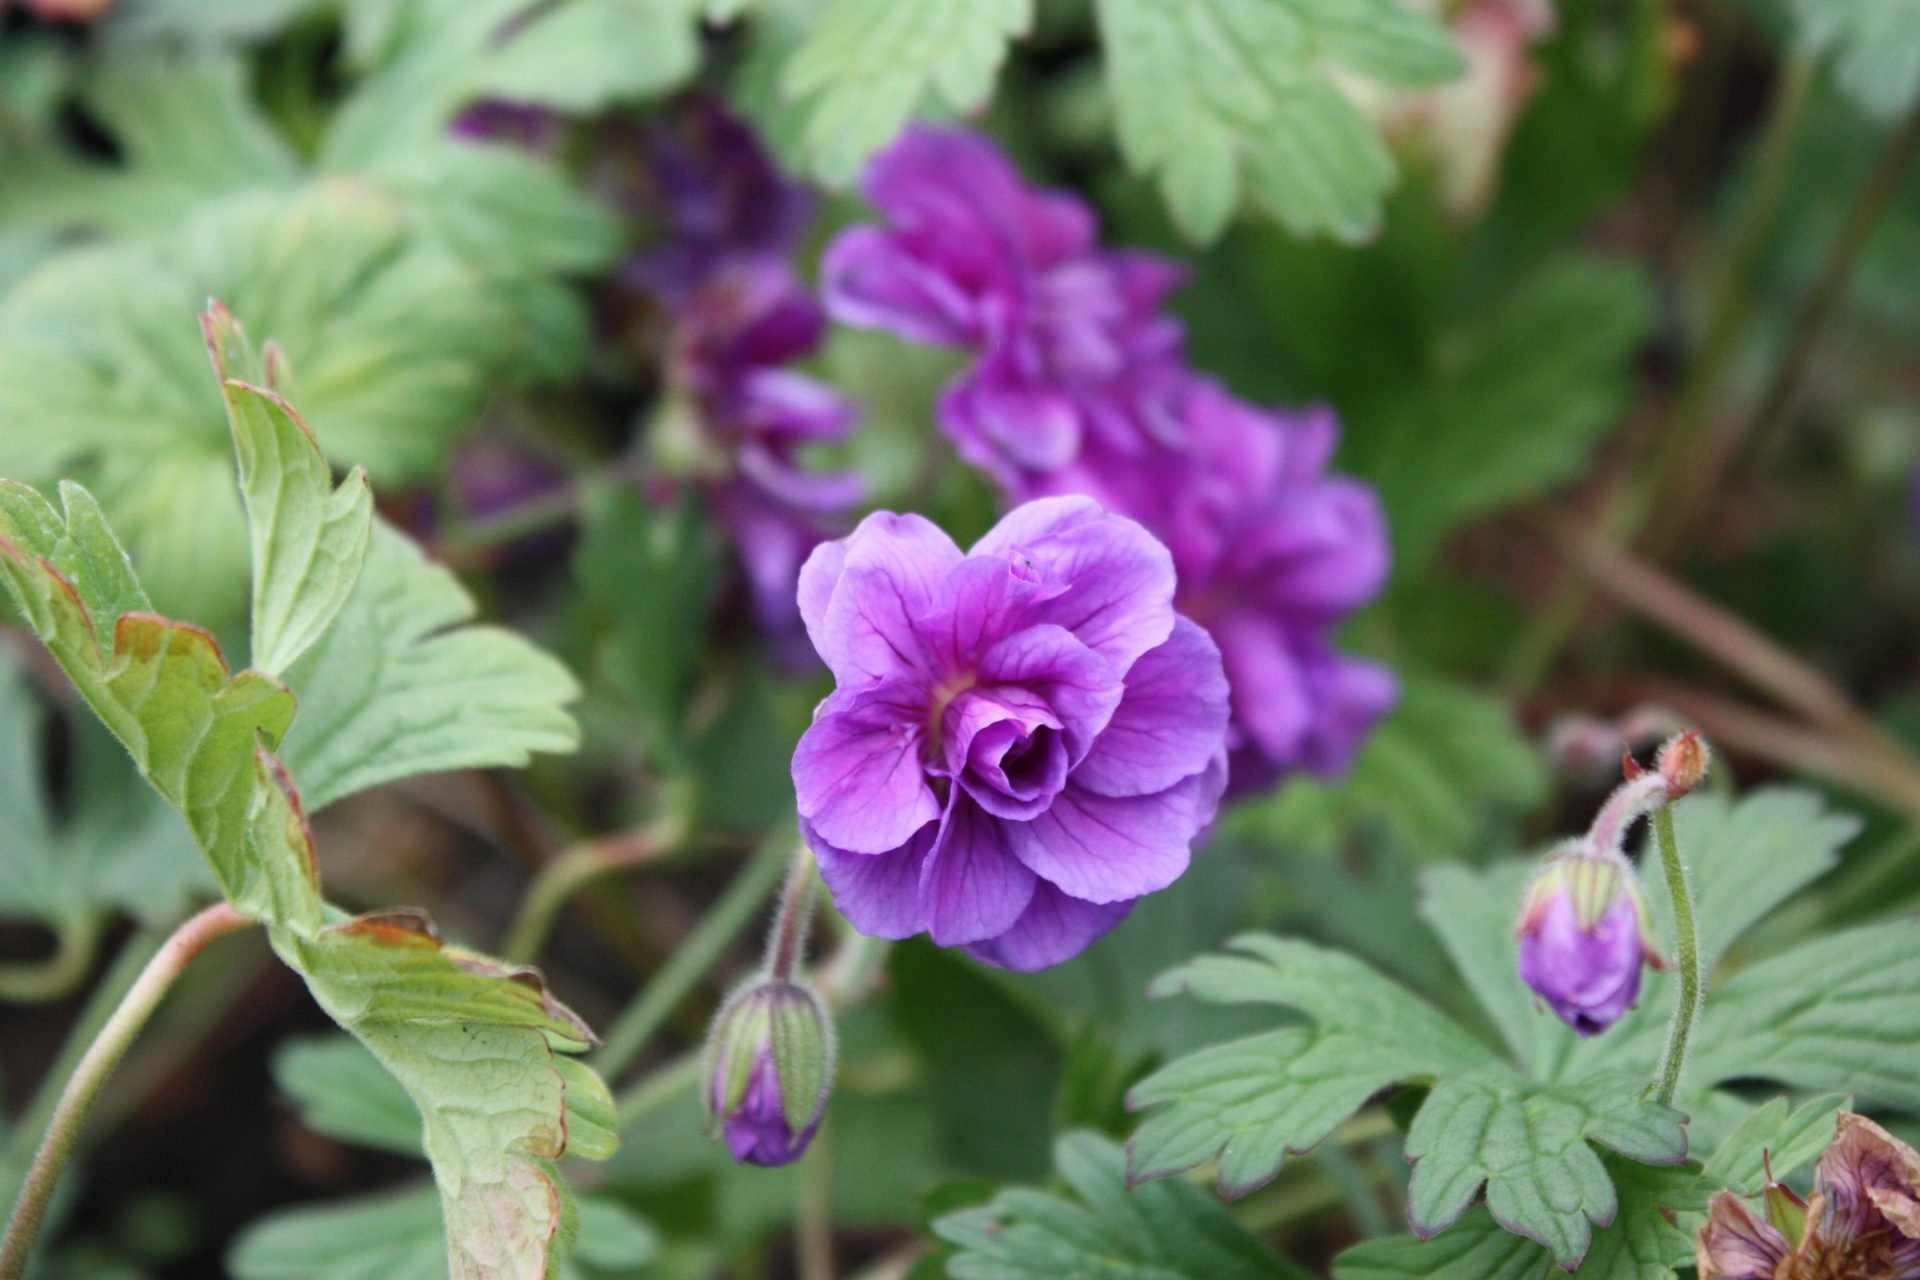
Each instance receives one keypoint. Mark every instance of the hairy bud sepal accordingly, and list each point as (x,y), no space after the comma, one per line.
(770,1060)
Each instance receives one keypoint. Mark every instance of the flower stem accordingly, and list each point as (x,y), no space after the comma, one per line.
(791,923)
(1674,1061)
(108,1047)
(694,956)
(580,866)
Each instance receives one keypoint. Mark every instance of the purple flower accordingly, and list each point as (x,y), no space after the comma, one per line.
(1024,739)
(532,128)
(1581,938)
(1272,554)
(769,1069)
(1075,361)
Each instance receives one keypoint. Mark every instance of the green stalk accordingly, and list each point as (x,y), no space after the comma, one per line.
(1674,1060)
(76,942)
(692,958)
(105,1052)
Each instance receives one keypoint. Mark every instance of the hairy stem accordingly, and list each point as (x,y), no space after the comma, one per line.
(794,919)
(693,957)
(1687,937)
(76,942)
(108,1047)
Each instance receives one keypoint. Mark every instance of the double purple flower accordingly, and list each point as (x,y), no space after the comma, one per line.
(1025,738)
(1080,385)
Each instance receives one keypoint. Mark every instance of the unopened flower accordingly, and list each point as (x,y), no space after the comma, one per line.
(1583,939)
(770,1061)
(1025,738)
(1862,1221)
(1683,763)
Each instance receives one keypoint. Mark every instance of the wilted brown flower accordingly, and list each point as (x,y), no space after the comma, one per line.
(1862,1221)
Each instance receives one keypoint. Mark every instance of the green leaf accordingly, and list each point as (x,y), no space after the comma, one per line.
(1641,1244)
(1163,1231)
(1430,777)
(1841,1012)
(397,1236)
(1787,1138)
(1211,94)
(343,1092)
(867,66)
(1532,1150)
(1250,1102)
(584,54)
(185,130)
(403,685)
(1512,405)
(392,340)
(1874,46)
(651,574)
(309,538)
(116,846)
(473,1042)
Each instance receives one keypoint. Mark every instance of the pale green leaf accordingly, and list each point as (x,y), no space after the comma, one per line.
(397,1236)
(1161,1231)
(1431,778)
(1532,1149)
(403,685)
(1874,46)
(392,340)
(1211,95)
(1250,1102)
(342,1091)
(309,538)
(1477,1248)
(581,55)
(866,67)
(116,845)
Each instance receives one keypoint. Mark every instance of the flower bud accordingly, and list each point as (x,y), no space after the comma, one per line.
(1582,938)
(1683,763)
(769,1070)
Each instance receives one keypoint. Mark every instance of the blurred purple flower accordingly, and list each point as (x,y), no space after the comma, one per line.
(1273,553)
(532,128)
(1024,739)
(1074,360)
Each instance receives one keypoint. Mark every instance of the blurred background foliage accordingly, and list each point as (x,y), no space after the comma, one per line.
(1628,359)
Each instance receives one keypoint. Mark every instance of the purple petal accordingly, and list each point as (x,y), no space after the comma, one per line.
(1119,579)
(1272,706)
(954,188)
(1171,722)
(988,735)
(1053,928)
(1109,848)
(1082,688)
(1315,554)
(871,280)
(986,600)
(1005,424)
(972,886)
(879,893)
(1589,977)
(858,772)
(888,583)
(819,576)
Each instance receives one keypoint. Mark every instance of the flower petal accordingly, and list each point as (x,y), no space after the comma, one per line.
(1082,688)
(878,893)
(1735,1245)
(1111,848)
(1053,928)
(1119,579)
(872,280)
(1171,722)
(972,886)
(858,774)
(889,583)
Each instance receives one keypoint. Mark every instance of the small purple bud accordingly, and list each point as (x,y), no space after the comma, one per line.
(1582,938)
(769,1070)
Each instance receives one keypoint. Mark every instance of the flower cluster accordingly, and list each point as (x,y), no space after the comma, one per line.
(1862,1221)
(737,419)
(1080,384)
(1025,738)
